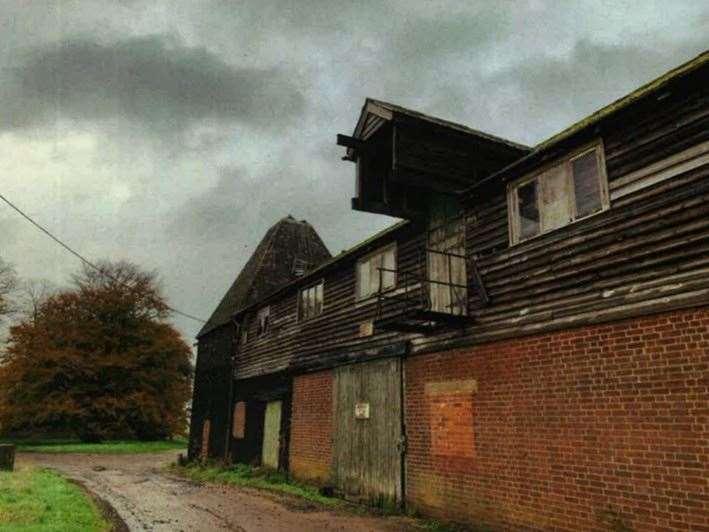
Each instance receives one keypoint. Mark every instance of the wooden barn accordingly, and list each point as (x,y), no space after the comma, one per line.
(288,250)
(528,349)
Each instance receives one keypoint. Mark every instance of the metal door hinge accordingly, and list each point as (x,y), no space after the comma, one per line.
(402,444)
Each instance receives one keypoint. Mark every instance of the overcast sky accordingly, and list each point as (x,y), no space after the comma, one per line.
(173,134)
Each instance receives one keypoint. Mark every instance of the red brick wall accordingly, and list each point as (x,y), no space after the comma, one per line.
(587,429)
(311,427)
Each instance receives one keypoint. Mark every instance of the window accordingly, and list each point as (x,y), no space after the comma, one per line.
(563,193)
(368,272)
(263,317)
(310,301)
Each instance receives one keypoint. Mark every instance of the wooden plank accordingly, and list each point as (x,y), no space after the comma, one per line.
(689,159)
(367,461)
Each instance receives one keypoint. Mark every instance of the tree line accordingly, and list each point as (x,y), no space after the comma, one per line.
(96,359)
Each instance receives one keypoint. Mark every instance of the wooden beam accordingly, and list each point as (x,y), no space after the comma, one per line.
(350,142)
(378,207)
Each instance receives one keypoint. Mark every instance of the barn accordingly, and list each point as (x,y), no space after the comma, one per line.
(527,348)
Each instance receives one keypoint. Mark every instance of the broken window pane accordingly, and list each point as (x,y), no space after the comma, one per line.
(587,185)
(556,205)
(528,209)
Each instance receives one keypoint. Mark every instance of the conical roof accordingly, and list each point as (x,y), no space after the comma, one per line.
(279,258)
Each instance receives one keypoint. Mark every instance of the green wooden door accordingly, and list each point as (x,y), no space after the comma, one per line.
(271,435)
(367,458)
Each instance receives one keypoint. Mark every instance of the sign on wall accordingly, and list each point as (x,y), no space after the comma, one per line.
(361,410)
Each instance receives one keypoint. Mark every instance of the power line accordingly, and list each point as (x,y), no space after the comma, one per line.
(81,257)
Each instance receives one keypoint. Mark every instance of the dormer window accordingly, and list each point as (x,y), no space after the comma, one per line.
(563,193)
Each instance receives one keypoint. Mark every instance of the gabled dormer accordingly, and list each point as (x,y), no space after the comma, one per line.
(403,156)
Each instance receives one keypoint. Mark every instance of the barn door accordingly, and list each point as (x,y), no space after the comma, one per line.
(368,432)
(271,435)
(446,260)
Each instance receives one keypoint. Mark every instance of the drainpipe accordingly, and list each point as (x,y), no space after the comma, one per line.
(230,404)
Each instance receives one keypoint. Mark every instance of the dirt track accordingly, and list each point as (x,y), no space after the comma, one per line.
(148,499)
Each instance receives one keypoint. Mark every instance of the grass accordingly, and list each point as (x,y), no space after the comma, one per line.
(108,447)
(38,500)
(244,475)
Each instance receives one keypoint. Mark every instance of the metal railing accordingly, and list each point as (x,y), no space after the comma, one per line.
(413,290)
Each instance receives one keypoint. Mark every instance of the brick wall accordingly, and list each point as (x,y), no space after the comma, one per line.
(588,429)
(311,427)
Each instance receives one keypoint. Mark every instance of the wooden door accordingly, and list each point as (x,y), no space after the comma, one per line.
(206,427)
(446,263)
(271,435)
(368,432)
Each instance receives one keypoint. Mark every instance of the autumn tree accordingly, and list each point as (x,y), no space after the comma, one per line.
(8,284)
(98,360)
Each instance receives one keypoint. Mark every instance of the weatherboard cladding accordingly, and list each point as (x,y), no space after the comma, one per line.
(646,254)
(269,267)
(610,117)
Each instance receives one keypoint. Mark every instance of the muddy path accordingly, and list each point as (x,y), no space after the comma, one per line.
(148,499)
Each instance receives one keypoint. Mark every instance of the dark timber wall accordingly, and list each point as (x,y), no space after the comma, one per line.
(210,396)
(646,254)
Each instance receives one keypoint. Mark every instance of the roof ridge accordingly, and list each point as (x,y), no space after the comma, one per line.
(274,233)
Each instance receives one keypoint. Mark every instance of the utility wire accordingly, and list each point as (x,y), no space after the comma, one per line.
(82,258)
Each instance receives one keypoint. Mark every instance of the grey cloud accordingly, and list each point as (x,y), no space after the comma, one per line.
(537,98)
(155,80)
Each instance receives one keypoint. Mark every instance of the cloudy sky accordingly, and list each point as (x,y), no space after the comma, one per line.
(174,133)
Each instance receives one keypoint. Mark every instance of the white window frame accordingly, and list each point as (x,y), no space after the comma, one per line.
(379,251)
(263,313)
(567,162)
(321,282)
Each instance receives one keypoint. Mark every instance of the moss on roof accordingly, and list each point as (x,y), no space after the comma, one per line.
(626,100)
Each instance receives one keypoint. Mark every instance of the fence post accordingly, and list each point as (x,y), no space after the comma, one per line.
(7,457)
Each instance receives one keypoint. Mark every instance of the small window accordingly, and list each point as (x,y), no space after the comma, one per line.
(380,265)
(263,318)
(310,301)
(563,193)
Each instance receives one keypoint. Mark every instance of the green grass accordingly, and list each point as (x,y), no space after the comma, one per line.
(37,500)
(244,475)
(108,447)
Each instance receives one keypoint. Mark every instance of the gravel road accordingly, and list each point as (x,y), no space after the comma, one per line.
(147,499)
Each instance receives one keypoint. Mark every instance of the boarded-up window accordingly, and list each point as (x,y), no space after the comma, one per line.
(556,204)
(567,191)
(587,187)
(379,266)
(263,318)
(310,301)
(451,417)
(239,423)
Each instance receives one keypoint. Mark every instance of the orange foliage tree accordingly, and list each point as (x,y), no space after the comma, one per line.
(98,360)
